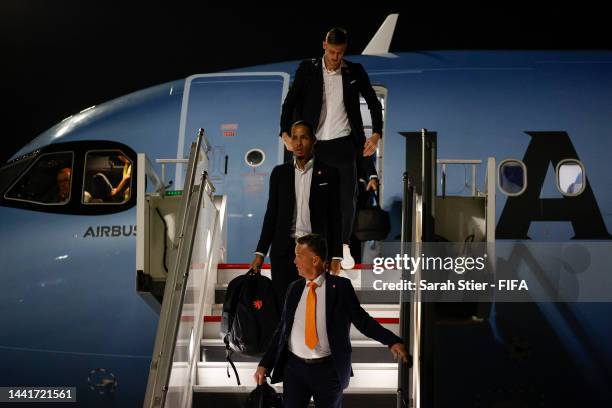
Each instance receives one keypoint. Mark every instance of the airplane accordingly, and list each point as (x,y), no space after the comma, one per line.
(70,311)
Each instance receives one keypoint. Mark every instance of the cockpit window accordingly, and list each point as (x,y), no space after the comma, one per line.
(107,178)
(11,170)
(48,181)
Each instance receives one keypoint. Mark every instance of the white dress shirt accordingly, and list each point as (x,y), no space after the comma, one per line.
(333,122)
(297,342)
(301,225)
(303,179)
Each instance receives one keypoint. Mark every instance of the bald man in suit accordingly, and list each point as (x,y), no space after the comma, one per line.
(310,351)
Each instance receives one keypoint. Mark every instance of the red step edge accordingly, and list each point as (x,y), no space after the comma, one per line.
(239,266)
(216,319)
(267,266)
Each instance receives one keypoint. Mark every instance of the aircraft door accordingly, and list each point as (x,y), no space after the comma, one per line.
(240,115)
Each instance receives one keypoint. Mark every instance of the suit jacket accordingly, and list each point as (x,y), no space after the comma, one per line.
(324,204)
(341,309)
(304,101)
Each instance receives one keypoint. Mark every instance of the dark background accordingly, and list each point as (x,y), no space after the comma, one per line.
(59,57)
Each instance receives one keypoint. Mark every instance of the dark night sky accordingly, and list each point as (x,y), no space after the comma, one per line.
(59,57)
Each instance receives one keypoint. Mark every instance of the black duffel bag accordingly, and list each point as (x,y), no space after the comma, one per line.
(264,396)
(372,223)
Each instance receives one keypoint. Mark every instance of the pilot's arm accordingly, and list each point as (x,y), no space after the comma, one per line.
(123,183)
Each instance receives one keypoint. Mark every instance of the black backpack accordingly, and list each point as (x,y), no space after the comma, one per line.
(250,316)
(264,396)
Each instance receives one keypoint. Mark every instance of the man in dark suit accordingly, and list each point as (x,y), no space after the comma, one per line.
(310,350)
(325,93)
(303,198)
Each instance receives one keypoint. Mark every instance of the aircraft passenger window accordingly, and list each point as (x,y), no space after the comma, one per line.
(48,181)
(107,178)
(512,177)
(570,177)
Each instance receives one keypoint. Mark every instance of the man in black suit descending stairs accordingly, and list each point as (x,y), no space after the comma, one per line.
(303,198)
(310,351)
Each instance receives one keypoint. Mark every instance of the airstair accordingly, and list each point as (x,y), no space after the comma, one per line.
(183,273)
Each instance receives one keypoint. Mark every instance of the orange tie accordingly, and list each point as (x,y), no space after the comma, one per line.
(311,338)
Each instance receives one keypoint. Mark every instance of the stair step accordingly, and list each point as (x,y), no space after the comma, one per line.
(364,296)
(246,266)
(387,315)
(211,397)
(242,266)
(380,309)
(364,351)
(368,378)
(225,276)
(227,272)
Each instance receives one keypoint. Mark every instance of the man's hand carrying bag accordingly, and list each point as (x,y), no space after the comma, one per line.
(372,223)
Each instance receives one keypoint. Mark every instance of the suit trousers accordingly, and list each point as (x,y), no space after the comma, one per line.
(341,154)
(283,271)
(319,381)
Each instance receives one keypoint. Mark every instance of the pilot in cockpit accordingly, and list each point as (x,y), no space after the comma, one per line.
(63,185)
(100,188)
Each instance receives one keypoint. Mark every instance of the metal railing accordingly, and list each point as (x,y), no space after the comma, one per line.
(205,145)
(445,162)
(177,345)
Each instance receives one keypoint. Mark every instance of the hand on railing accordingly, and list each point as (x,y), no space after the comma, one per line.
(399,353)
(257,262)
